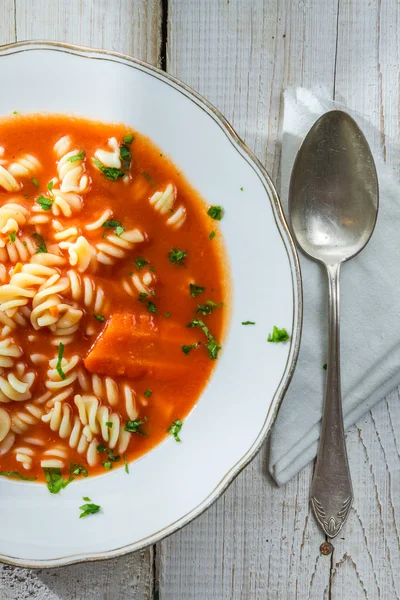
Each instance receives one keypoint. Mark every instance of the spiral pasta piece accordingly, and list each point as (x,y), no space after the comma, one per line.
(5,423)
(27,417)
(54,458)
(67,324)
(19,319)
(85,290)
(139,283)
(8,181)
(163,202)
(46,302)
(54,382)
(9,350)
(98,223)
(94,418)
(18,251)
(25,166)
(7,443)
(16,386)
(24,455)
(72,173)
(12,217)
(108,390)
(114,247)
(110,158)
(80,253)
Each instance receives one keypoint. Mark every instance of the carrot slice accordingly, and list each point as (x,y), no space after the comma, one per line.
(132,345)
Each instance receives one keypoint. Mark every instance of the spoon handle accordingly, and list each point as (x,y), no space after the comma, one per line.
(331,491)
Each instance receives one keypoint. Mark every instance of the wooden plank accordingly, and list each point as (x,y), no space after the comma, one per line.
(366,560)
(121,25)
(124,26)
(257,541)
(7,22)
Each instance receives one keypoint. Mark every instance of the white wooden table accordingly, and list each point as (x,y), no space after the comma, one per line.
(257,541)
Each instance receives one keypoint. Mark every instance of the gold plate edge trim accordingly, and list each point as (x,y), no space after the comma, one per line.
(280,220)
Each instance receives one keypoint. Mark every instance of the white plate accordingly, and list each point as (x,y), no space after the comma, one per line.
(175,482)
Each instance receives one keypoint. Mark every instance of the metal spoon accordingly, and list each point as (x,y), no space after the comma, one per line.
(333,206)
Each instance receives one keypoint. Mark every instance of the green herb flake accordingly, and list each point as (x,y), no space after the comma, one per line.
(176,256)
(212,235)
(76,157)
(41,248)
(140,263)
(175,429)
(11,237)
(241,189)
(26,196)
(86,499)
(15,112)
(125,156)
(151,307)
(16,475)
(278,335)
(78,470)
(100,318)
(50,186)
(88,509)
(167,315)
(126,465)
(188,349)
(195,290)
(109,424)
(59,361)
(147,393)
(248,322)
(35,182)
(107,465)
(212,345)
(112,457)
(54,480)
(208,307)
(148,178)
(44,202)
(215,212)
(101,448)
(113,224)
(110,173)
(128,139)
(325,366)
(135,427)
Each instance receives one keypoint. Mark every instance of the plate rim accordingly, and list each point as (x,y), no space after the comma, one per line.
(294,265)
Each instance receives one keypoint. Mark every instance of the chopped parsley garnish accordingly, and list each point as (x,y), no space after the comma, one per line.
(176,256)
(101,448)
(88,509)
(100,318)
(278,335)
(59,361)
(195,290)
(212,234)
(215,212)
(134,427)
(35,182)
(128,139)
(78,470)
(109,424)
(208,307)
(142,295)
(167,315)
(151,307)
(11,237)
(54,480)
(241,189)
(26,196)
(107,465)
(140,263)
(187,349)
(148,178)
(75,157)
(86,499)
(126,464)
(175,428)
(147,393)
(111,173)
(248,322)
(41,248)
(16,475)
(15,112)
(113,224)
(44,202)
(125,156)
(212,345)
(151,268)
(325,366)
(50,186)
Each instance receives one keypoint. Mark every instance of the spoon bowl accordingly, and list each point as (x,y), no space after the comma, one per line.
(333,206)
(333,198)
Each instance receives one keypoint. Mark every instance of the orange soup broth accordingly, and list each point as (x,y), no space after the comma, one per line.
(204,265)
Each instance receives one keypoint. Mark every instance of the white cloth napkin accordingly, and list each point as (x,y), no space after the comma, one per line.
(370,312)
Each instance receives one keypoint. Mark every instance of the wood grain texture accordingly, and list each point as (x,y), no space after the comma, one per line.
(133,28)
(258,541)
